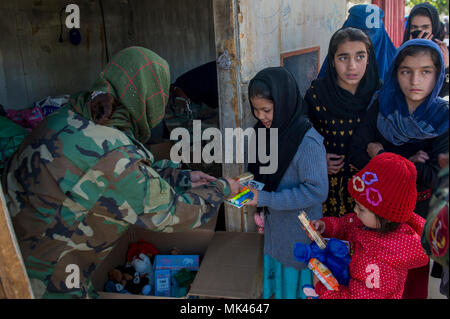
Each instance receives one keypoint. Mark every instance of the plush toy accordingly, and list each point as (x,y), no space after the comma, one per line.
(127,280)
(141,247)
(259,221)
(117,282)
(335,256)
(144,268)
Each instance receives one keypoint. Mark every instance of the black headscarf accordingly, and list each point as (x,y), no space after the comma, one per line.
(200,84)
(339,102)
(288,117)
(427,10)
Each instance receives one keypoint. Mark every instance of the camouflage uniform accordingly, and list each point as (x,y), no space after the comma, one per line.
(73,187)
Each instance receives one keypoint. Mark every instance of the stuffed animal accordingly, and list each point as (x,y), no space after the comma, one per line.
(143,266)
(127,280)
(259,221)
(140,247)
(117,282)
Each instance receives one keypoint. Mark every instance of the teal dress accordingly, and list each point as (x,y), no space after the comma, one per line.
(304,186)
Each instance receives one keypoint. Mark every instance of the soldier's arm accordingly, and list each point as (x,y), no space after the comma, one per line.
(167,210)
(171,173)
(137,194)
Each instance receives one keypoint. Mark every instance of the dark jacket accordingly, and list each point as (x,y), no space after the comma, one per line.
(427,173)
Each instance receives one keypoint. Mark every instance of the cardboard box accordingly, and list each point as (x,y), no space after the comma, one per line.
(233,267)
(231,263)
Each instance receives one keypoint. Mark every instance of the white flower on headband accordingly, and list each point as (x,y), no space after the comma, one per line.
(373,196)
(361,187)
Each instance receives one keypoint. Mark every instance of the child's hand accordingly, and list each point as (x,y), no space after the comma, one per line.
(315,280)
(254,200)
(444,50)
(318,225)
(334,163)
(419,157)
(373,149)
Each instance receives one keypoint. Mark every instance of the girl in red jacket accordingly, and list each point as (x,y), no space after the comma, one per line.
(384,232)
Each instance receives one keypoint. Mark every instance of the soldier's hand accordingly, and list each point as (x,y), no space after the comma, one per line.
(234,186)
(199,178)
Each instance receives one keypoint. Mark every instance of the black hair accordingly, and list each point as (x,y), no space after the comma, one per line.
(102,108)
(414,50)
(259,89)
(386,226)
(422,12)
(348,34)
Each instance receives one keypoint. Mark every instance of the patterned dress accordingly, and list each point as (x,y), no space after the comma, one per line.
(337,133)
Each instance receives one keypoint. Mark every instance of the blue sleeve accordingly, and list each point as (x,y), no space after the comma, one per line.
(313,188)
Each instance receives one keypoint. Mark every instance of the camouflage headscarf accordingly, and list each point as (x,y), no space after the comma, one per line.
(139,80)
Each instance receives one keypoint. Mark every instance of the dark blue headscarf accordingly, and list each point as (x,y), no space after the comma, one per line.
(429,120)
(383,46)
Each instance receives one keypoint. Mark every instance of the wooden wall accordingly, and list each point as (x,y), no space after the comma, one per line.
(34,64)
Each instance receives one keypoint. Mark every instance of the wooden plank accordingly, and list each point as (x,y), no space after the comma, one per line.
(2,292)
(230,103)
(13,276)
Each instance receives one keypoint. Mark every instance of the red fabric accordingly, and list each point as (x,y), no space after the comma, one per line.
(27,118)
(394,19)
(387,187)
(416,286)
(380,262)
(140,247)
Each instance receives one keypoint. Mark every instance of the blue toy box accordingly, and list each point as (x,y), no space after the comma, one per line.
(172,264)
(162,282)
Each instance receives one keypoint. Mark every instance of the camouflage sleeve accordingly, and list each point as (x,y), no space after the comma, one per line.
(153,203)
(170,172)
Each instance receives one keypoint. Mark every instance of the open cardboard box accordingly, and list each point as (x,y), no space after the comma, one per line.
(231,263)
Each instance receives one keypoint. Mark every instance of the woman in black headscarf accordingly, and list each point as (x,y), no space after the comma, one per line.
(423,22)
(298,183)
(337,103)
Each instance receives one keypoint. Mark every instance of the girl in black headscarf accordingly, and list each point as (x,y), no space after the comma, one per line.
(423,22)
(337,103)
(298,183)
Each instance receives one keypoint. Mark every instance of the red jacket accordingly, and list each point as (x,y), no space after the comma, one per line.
(380,262)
